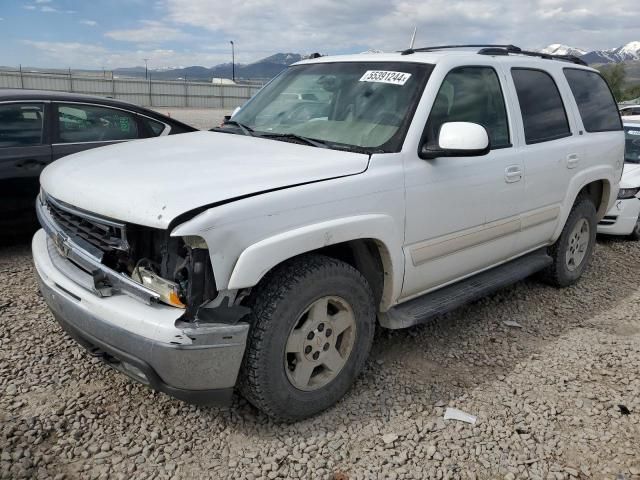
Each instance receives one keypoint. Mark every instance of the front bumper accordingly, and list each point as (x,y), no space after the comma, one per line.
(195,362)
(622,218)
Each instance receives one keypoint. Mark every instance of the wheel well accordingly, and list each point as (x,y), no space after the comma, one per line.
(598,192)
(369,257)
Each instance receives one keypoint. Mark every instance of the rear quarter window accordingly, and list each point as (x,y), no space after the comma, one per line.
(596,104)
(155,127)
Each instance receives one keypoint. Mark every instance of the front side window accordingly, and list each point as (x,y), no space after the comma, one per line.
(21,124)
(471,94)
(543,112)
(88,123)
(632,144)
(596,104)
(357,105)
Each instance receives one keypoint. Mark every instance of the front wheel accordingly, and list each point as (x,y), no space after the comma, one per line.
(572,251)
(313,320)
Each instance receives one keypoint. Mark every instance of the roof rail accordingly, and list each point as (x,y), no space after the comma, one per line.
(564,58)
(509,48)
(499,50)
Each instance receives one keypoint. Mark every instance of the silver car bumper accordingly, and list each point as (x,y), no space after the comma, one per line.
(198,363)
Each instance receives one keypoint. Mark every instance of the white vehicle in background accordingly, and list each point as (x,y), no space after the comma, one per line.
(630,113)
(624,217)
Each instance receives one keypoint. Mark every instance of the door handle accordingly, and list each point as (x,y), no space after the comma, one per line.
(512,174)
(31,163)
(573,160)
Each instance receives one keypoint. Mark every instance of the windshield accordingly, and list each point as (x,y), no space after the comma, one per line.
(632,144)
(365,105)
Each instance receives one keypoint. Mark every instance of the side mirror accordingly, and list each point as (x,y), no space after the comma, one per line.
(458,139)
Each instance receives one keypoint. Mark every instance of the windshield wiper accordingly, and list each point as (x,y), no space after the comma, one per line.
(244,128)
(293,136)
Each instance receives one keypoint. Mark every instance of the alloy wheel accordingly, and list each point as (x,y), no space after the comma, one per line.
(320,343)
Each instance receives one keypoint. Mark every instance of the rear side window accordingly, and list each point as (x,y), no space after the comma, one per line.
(21,124)
(543,112)
(596,104)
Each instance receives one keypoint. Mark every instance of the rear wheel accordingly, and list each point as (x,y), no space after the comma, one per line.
(313,321)
(572,251)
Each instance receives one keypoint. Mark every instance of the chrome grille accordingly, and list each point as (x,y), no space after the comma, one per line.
(101,233)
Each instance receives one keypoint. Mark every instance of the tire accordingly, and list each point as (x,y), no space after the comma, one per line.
(563,272)
(635,235)
(287,307)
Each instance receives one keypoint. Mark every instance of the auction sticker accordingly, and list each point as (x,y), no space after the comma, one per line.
(385,76)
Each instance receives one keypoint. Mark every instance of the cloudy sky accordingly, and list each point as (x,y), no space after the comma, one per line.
(117,33)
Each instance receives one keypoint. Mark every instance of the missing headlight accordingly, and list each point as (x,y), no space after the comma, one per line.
(195,275)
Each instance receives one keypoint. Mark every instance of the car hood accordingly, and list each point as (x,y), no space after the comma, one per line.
(630,175)
(151,182)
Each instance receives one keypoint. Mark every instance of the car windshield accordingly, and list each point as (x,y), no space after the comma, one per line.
(363,106)
(632,144)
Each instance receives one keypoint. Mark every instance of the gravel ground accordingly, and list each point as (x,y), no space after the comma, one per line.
(558,398)
(202,118)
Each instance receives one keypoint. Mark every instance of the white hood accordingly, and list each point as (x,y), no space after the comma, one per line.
(151,182)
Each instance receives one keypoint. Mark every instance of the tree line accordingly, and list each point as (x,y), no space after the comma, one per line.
(616,77)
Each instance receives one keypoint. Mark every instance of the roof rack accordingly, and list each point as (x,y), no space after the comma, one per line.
(563,58)
(409,51)
(488,49)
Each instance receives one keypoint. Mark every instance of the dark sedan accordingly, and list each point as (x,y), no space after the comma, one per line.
(38,127)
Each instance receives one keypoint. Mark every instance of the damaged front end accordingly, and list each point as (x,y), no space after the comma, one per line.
(191,349)
(176,271)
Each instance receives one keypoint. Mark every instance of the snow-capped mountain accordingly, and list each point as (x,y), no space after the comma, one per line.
(630,51)
(282,58)
(560,49)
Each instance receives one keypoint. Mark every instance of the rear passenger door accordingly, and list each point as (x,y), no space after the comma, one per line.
(549,147)
(79,127)
(599,119)
(24,152)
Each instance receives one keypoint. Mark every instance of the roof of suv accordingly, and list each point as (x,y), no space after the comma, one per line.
(435,56)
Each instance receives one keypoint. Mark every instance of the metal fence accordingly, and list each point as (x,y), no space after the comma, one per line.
(152,93)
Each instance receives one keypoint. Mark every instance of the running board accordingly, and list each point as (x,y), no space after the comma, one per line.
(446,299)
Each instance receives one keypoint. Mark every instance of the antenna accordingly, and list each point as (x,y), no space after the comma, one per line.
(413,37)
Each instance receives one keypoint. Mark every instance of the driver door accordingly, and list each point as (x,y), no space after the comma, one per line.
(78,127)
(462,213)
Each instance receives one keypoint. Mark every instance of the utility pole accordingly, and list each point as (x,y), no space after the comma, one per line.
(233,61)
(146,69)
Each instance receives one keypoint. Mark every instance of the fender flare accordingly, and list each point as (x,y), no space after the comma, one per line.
(258,259)
(580,181)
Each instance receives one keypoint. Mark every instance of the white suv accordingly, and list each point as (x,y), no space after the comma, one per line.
(265,253)
(624,216)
